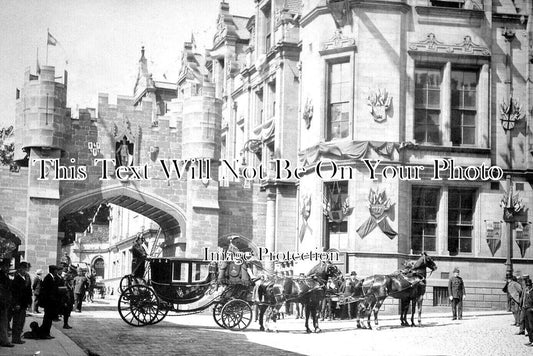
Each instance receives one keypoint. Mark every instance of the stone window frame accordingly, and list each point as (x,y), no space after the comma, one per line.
(339,55)
(443,220)
(447,63)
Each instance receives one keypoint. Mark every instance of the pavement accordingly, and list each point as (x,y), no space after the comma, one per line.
(98,330)
(61,345)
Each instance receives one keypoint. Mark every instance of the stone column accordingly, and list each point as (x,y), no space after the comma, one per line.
(270,236)
(483,105)
(446,102)
(442,223)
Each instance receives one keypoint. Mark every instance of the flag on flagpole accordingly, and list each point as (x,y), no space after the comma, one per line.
(51,40)
(38,66)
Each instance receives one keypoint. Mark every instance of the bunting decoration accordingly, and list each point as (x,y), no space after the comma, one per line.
(378,206)
(494,235)
(522,237)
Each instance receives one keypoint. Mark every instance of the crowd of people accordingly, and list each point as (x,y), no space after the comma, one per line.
(60,292)
(520,295)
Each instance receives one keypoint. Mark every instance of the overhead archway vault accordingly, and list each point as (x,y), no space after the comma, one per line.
(169,216)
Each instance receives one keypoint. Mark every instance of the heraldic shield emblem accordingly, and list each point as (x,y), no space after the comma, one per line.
(378,206)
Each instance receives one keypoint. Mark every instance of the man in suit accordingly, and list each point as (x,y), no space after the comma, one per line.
(50,300)
(5,302)
(528,310)
(80,285)
(21,291)
(514,293)
(138,258)
(456,291)
(522,316)
(36,287)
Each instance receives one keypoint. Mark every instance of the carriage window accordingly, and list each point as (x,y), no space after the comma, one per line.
(180,272)
(460,221)
(425,205)
(200,272)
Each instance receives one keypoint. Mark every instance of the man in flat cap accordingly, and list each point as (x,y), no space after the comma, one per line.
(456,291)
(50,300)
(21,291)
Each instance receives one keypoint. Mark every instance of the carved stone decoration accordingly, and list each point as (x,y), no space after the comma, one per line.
(378,206)
(305,212)
(431,44)
(511,112)
(379,103)
(308,113)
(338,41)
(124,143)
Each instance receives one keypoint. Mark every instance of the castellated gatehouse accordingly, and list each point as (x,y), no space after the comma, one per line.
(57,194)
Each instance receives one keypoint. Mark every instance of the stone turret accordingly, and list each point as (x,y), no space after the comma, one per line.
(41,112)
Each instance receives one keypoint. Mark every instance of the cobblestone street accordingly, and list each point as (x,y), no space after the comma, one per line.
(100,330)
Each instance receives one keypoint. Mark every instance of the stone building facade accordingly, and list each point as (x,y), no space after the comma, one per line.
(405,83)
(339,88)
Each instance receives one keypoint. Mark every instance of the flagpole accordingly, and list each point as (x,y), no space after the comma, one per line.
(47,34)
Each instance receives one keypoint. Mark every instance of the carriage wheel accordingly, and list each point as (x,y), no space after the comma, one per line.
(138,305)
(236,314)
(217,314)
(125,283)
(162,311)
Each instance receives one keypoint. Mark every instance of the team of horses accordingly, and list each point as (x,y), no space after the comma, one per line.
(407,285)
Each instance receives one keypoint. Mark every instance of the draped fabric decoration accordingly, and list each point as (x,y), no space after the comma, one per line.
(334,207)
(378,207)
(494,235)
(266,130)
(341,12)
(305,212)
(522,237)
(347,150)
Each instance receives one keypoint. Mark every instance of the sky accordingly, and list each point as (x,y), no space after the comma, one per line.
(100,42)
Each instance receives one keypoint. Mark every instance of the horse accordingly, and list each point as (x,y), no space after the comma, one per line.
(407,285)
(274,291)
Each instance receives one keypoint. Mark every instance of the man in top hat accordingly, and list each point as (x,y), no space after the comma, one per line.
(50,300)
(36,287)
(21,291)
(456,291)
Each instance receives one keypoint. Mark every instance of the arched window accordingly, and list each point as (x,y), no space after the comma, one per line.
(99,267)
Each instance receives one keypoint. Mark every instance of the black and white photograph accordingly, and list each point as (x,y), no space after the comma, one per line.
(266,177)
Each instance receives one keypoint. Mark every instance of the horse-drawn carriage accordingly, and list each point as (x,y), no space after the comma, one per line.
(184,286)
